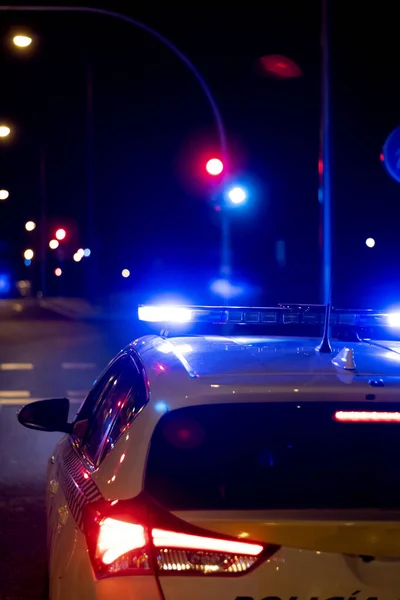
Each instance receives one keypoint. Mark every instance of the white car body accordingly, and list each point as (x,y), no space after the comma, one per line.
(300,553)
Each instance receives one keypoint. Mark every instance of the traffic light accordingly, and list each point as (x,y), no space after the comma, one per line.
(214,166)
(60,234)
(237,195)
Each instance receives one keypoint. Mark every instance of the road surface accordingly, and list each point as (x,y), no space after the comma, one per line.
(41,355)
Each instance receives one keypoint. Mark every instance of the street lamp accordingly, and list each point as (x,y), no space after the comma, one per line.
(152,32)
(4,194)
(4,131)
(30,225)
(29,254)
(22,41)
(53,244)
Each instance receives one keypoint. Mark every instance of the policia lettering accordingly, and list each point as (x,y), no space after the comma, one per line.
(296,598)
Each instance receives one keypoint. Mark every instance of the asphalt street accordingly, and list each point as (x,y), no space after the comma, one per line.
(42,355)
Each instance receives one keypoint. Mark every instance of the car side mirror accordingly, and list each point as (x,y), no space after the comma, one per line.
(46,415)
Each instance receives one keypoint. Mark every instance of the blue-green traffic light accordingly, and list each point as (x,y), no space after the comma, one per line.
(237,195)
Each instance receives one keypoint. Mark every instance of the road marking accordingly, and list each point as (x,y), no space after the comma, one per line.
(77,394)
(16,366)
(78,366)
(21,401)
(16,401)
(14,394)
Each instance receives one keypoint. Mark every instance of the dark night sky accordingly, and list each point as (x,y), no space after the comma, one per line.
(152,125)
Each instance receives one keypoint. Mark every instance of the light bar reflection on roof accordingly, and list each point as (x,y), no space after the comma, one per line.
(354,416)
(164,314)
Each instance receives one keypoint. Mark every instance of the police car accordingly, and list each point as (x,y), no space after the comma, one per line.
(228,467)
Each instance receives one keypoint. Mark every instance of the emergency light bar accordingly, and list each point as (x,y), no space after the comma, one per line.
(288,314)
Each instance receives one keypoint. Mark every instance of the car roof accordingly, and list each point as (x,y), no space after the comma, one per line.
(192,371)
(210,366)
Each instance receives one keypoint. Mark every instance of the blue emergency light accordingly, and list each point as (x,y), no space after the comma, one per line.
(284,314)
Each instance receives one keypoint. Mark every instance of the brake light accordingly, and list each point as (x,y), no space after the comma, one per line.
(173,539)
(121,543)
(116,538)
(354,416)
(201,554)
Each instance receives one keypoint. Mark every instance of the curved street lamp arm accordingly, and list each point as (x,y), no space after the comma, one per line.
(122,17)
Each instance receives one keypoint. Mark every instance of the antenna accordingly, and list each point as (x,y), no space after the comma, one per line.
(325,346)
(325,156)
(325,179)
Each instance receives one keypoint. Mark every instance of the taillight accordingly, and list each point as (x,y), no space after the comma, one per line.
(181,552)
(137,542)
(118,538)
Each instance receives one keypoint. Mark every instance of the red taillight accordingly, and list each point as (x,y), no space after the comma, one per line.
(117,538)
(121,544)
(173,539)
(198,554)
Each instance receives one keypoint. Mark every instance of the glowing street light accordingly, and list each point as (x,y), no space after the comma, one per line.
(4,131)
(58,272)
(53,244)
(30,225)
(79,254)
(22,41)
(29,254)
(370,242)
(4,194)
(125,273)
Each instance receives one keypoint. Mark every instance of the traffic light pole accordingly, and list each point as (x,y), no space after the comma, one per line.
(324,192)
(43,222)
(90,179)
(226,267)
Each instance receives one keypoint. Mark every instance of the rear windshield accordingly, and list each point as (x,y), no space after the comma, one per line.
(274,456)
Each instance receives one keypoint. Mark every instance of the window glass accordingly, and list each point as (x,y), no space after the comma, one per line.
(117,389)
(130,407)
(89,405)
(274,456)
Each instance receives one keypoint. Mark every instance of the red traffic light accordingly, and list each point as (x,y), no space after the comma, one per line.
(60,234)
(214,166)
